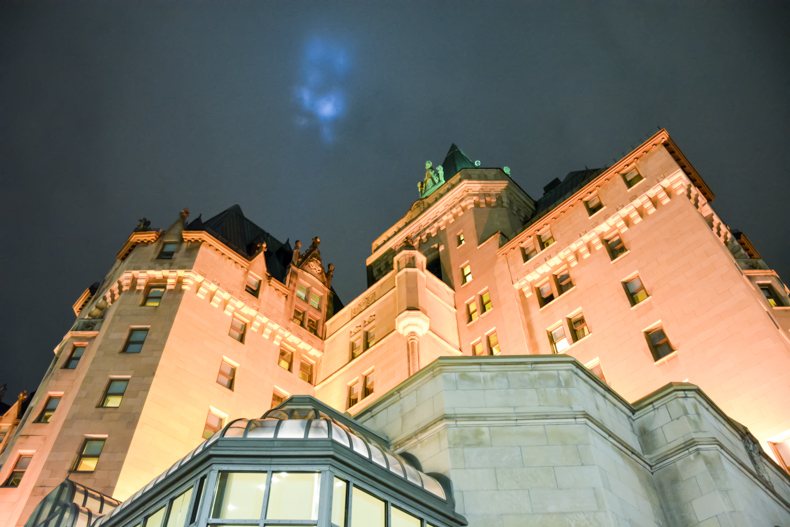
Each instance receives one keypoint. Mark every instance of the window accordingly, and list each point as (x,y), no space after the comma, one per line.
(635,290)
(368,383)
(367,510)
(339,493)
(368,338)
(459,239)
(545,240)
(477,348)
(399,518)
(135,340)
(312,325)
(214,423)
(632,178)
(315,300)
(252,285)
(239,495)
(238,328)
(658,342)
(615,246)
(353,394)
(593,204)
(227,374)
(153,296)
(301,292)
(771,296)
(466,274)
(113,394)
(528,252)
(485,302)
(493,344)
(578,326)
(168,250)
(298,317)
(15,478)
(545,293)
(277,398)
(471,311)
(558,340)
(74,358)
(564,282)
(49,409)
(356,348)
(179,509)
(89,454)
(306,371)
(286,359)
(294,496)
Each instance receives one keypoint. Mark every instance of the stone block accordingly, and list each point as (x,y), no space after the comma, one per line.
(564,500)
(467,479)
(497,502)
(525,478)
(567,434)
(519,435)
(485,457)
(708,506)
(468,436)
(579,476)
(550,455)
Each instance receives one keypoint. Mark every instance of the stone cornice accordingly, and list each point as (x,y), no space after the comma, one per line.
(136,238)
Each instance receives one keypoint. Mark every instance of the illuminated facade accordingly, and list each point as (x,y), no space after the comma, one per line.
(627,269)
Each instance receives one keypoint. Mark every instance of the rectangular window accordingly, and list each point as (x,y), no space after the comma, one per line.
(545,240)
(153,297)
(312,325)
(356,348)
(306,371)
(471,311)
(459,239)
(239,496)
(353,394)
(277,398)
(227,374)
(544,293)
(615,247)
(20,467)
(632,178)
(578,326)
(771,296)
(635,290)
(214,423)
(368,338)
(315,300)
(135,340)
(179,509)
(294,496)
(477,348)
(49,409)
(563,280)
(301,292)
(559,342)
(493,344)
(113,394)
(485,302)
(367,510)
(76,354)
(238,329)
(658,342)
(168,250)
(339,496)
(252,285)
(298,317)
(286,359)
(368,383)
(466,274)
(528,251)
(593,204)
(89,454)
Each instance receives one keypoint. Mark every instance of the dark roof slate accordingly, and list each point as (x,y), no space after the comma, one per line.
(555,193)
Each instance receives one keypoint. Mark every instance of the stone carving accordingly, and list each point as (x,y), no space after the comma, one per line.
(143,224)
(434,178)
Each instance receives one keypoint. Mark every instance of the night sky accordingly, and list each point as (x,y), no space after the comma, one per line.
(317,118)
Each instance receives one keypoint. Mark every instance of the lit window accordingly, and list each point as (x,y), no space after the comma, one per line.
(635,290)
(545,240)
(135,340)
(286,359)
(154,296)
(294,496)
(89,455)
(368,338)
(113,395)
(353,394)
(367,510)
(306,371)
(485,302)
(339,496)
(559,342)
(471,311)
(226,375)
(298,317)
(477,348)
(658,342)
(356,348)
(459,239)
(368,383)
(399,518)
(277,398)
(252,285)
(49,409)
(593,204)
(168,250)
(493,344)
(466,274)
(301,292)
(15,478)
(632,178)
(578,326)
(179,509)
(312,325)
(74,358)
(156,519)
(214,423)
(544,293)
(239,496)
(528,251)
(771,296)
(315,300)
(238,328)
(564,282)
(615,246)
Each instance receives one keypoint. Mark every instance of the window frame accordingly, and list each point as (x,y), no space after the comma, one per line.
(617,250)
(466,273)
(592,210)
(239,334)
(631,182)
(252,284)
(460,239)
(165,254)
(573,330)
(528,250)
(472,311)
(108,398)
(209,429)
(633,297)
(82,456)
(289,353)
(46,413)
(475,346)
(658,354)
(554,343)
(71,363)
(494,348)
(227,380)
(485,307)
(773,298)
(545,239)
(154,301)
(12,481)
(129,342)
(311,374)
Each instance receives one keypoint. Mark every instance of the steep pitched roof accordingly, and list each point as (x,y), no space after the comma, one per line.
(557,191)
(454,161)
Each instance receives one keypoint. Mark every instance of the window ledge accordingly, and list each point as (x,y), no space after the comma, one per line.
(597,212)
(547,304)
(666,358)
(620,257)
(632,187)
(645,301)
(781,308)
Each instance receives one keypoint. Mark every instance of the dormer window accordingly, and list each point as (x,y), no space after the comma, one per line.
(632,178)
(545,239)
(593,204)
(528,251)
(301,292)
(315,300)
(252,285)
(168,250)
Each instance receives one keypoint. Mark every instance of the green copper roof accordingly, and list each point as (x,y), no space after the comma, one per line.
(454,161)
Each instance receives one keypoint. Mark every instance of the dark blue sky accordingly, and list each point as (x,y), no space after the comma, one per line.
(317,118)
